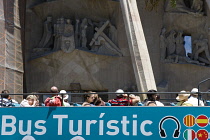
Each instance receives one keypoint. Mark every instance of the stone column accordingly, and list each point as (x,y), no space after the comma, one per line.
(138,47)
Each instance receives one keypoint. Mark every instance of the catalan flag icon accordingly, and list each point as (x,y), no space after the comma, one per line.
(202,121)
(189,134)
(202,135)
(189,120)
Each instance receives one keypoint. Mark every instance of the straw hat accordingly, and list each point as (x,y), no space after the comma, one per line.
(182,96)
(65,96)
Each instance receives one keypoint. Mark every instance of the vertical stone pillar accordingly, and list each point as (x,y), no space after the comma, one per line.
(138,47)
(11,59)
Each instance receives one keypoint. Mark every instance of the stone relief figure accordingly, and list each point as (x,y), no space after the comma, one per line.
(100,36)
(171,46)
(83,38)
(194,7)
(163,44)
(58,31)
(100,42)
(67,38)
(180,50)
(197,6)
(77,33)
(176,52)
(113,34)
(46,40)
(201,46)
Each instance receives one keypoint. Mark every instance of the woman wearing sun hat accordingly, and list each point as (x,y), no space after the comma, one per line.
(182,98)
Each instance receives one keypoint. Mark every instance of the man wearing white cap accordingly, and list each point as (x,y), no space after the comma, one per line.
(194,98)
(65,98)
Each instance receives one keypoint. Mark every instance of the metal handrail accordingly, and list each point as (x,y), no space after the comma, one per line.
(82,93)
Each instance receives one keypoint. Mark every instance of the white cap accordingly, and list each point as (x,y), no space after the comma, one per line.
(194,90)
(119,91)
(63,91)
(66,96)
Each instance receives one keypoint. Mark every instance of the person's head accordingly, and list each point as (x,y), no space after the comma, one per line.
(65,96)
(120,93)
(98,102)
(89,98)
(132,96)
(6,94)
(194,92)
(182,96)
(54,89)
(31,99)
(153,95)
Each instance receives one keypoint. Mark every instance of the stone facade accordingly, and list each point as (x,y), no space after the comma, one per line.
(99,72)
(93,70)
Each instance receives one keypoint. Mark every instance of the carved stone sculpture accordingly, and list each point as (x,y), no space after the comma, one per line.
(113,33)
(67,38)
(101,41)
(183,59)
(83,38)
(197,6)
(171,46)
(58,31)
(163,44)
(46,40)
(201,46)
(194,7)
(180,50)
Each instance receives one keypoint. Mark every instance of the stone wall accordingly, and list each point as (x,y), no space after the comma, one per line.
(93,71)
(175,77)
(103,72)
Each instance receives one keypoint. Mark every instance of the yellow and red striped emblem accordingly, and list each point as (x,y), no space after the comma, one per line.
(202,121)
(189,120)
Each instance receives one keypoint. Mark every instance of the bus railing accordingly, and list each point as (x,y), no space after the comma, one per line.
(105,93)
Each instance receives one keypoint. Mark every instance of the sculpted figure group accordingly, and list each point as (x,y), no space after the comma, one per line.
(173,50)
(194,7)
(87,35)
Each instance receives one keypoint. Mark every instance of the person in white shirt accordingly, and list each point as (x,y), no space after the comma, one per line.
(194,98)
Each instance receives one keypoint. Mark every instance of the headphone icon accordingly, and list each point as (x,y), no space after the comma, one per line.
(176,131)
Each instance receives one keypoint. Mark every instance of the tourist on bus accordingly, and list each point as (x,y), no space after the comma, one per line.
(30,101)
(65,98)
(121,100)
(153,97)
(194,98)
(99,102)
(183,98)
(89,100)
(5,100)
(55,100)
